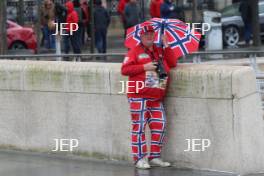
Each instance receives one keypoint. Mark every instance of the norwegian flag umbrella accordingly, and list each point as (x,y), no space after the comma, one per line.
(181,38)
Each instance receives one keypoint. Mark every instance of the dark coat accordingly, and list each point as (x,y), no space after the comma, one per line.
(101,18)
(131,14)
(246,12)
(169,10)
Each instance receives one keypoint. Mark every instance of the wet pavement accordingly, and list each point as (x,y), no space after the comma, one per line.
(14,163)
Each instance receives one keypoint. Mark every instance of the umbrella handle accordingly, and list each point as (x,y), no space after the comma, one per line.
(162,32)
(162,28)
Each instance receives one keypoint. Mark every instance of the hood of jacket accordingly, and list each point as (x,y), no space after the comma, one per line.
(69,6)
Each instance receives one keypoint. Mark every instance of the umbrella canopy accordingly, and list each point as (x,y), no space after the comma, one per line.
(181,38)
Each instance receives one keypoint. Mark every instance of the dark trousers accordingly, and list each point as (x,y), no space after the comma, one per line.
(74,40)
(247,32)
(81,35)
(100,40)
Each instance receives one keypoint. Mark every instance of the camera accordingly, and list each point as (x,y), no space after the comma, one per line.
(160,69)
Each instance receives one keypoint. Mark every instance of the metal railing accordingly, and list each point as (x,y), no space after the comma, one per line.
(65,57)
(196,55)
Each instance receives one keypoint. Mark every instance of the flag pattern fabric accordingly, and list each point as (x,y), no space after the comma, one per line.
(147,111)
(181,37)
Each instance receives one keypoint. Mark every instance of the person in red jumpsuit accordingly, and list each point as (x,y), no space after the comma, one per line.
(146,107)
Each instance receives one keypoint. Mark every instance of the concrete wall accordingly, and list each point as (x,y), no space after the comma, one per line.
(40,101)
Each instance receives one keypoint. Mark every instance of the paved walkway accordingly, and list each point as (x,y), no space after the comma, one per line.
(13,163)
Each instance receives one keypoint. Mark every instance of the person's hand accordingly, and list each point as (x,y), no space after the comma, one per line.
(165,41)
(150,66)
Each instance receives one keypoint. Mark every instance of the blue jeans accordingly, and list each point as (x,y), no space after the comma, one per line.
(49,39)
(247,32)
(100,40)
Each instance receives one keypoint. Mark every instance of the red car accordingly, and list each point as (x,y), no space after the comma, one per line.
(19,37)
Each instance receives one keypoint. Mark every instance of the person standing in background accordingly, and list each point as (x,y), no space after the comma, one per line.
(169,10)
(246,14)
(72,17)
(101,23)
(85,9)
(121,10)
(154,8)
(78,9)
(47,22)
(131,14)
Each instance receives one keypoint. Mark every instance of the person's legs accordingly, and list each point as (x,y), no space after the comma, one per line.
(157,125)
(104,41)
(88,31)
(247,33)
(157,122)
(66,46)
(139,117)
(66,43)
(124,26)
(46,36)
(43,37)
(83,35)
(52,40)
(99,41)
(80,36)
(75,42)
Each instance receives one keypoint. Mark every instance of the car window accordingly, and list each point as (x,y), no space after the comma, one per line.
(232,10)
(261,8)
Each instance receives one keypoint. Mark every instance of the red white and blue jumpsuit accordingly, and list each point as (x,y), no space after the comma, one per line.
(146,105)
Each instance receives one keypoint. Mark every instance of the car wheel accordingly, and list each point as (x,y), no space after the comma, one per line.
(18,45)
(231,36)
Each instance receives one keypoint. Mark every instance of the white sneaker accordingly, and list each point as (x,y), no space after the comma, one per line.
(142,164)
(159,162)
